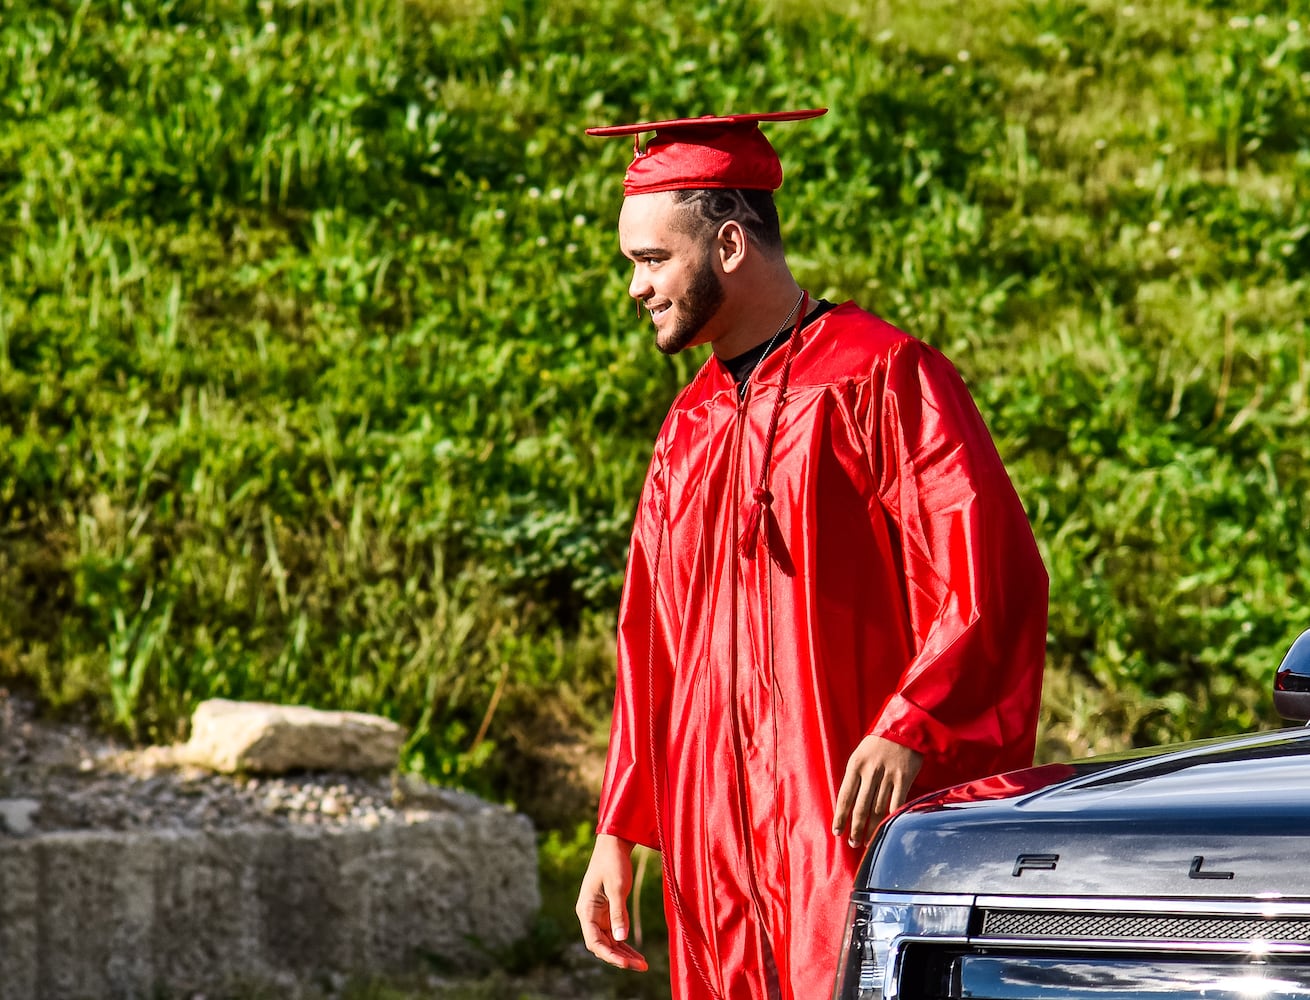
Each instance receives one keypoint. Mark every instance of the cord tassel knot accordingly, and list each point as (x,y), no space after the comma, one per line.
(763,500)
(760,494)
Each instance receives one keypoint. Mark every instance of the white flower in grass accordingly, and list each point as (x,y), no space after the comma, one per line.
(1239,22)
(579,220)
(963,55)
(1173,253)
(1154,226)
(1293,26)
(542,241)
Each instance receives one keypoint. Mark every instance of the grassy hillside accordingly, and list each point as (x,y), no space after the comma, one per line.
(318,381)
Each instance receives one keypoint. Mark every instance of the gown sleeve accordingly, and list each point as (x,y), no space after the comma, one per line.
(645,656)
(975,587)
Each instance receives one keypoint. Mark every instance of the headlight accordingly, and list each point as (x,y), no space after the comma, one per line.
(875,926)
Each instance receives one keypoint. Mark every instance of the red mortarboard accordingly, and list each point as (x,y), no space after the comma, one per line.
(717,151)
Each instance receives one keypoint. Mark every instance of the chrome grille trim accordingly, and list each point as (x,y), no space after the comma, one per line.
(1081,924)
(1263,907)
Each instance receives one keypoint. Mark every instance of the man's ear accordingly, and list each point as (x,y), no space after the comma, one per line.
(732,244)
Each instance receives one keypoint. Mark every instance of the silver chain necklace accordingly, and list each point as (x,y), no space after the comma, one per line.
(772,340)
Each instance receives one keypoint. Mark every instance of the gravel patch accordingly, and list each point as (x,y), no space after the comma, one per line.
(67,777)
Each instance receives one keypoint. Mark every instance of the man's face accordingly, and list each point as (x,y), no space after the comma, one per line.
(673,272)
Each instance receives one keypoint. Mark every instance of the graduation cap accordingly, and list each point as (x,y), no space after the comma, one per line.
(716,151)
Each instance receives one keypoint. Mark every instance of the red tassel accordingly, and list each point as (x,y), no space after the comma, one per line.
(746,543)
(763,498)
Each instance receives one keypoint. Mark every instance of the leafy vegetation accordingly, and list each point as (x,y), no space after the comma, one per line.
(318,381)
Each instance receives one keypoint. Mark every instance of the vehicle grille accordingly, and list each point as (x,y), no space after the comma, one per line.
(1141,926)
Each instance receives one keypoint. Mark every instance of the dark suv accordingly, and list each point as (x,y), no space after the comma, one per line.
(1180,871)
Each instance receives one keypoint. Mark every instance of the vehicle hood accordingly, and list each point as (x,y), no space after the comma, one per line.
(1221,818)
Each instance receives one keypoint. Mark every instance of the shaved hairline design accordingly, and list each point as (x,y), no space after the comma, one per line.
(706,209)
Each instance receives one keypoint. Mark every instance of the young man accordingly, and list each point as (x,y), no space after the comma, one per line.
(833,600)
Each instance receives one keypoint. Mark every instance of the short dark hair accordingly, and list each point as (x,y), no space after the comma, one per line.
(706,209)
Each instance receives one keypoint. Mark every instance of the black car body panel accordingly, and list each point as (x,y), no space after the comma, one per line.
(1103,827)
(1178,872)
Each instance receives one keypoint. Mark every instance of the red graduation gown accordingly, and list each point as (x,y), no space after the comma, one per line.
(894,588)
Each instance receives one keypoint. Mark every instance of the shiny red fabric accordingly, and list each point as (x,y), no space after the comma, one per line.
(714,151)
(896,589)
(725,156)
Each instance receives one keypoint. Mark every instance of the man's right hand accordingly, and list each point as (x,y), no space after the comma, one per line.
(603,903)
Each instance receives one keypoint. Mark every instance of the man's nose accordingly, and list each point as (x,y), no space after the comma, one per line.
(639,287)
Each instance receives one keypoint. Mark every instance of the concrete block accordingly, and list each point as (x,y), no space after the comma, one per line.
(109,915)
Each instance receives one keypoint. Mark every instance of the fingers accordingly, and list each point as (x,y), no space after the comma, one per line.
(618,919)
(870,808)
(882,802)
(604,936)
(857,800)
(865,802)
(898,791)
(617,953)
(877,782)
(602,905)
(845,800)
(623,956)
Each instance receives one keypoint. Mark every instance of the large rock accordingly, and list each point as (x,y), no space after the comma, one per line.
(261,738)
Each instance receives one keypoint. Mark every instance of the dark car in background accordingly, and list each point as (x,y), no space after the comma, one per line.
(1180,871)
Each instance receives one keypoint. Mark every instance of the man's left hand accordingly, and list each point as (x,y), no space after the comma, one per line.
(877,782)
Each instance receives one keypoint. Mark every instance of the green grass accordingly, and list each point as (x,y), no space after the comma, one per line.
(318,381)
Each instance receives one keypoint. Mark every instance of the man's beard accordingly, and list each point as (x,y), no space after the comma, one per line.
(702,300)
